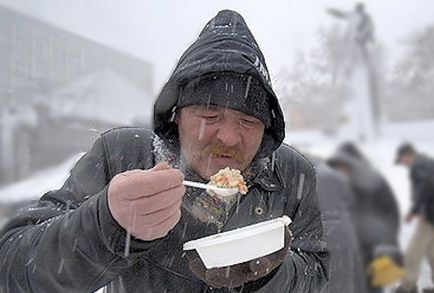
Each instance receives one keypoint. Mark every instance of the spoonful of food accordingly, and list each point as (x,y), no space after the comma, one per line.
(225,182)
(217,190)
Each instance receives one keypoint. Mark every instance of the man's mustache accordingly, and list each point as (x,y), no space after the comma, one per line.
(221,150)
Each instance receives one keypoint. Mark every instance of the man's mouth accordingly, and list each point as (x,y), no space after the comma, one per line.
(221,157)
(224,159)
(225,156)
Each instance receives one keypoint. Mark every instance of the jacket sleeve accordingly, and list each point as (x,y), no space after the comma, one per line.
(422,187)
(306,268)
(68,241)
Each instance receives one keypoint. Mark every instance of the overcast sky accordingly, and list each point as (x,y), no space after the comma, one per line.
(160,30)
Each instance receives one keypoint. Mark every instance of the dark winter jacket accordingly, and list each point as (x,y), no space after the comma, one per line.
(69,242)
(336,201)
(422,179)
(375,213)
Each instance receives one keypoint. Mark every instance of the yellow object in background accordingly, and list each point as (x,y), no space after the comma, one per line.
(384,271)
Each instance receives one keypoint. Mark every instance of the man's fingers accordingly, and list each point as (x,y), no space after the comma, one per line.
(151,218)
(159,201)
(149,182)
(147,203)
(159,230)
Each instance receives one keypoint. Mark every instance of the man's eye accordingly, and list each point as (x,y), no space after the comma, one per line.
(210,118)
(248,123)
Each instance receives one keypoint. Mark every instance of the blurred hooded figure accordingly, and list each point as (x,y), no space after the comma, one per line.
(123,215)
(337,204)
(376,217)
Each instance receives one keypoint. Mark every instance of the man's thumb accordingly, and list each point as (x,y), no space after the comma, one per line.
(161,166)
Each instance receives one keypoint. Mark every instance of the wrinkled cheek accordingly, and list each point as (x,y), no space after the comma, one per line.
(204,165)
(195,157)
(197,165)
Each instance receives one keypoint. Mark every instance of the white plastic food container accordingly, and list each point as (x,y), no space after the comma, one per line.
(242,244)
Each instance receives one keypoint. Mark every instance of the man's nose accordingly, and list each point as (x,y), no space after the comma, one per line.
(229,133)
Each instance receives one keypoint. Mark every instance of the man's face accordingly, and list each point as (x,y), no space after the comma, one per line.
(406,159)
(213,138)
(343,168)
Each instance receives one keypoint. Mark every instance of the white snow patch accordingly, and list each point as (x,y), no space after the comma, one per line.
(41,182)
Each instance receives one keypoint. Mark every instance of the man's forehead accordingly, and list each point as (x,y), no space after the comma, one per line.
(206,108)
(214,108)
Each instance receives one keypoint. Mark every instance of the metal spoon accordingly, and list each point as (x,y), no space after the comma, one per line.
(217,190)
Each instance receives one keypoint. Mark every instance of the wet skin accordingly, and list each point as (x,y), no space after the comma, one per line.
(213,138)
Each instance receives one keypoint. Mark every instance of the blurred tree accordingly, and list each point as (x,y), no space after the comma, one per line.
(315,90)
(411,87)
(311,96)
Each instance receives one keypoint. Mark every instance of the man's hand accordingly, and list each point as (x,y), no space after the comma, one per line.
(147,203)
(237,275)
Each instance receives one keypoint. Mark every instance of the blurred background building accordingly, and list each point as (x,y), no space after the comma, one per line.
(59,90)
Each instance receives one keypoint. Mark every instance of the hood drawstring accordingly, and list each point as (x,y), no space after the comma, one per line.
(172,118)
(273,161)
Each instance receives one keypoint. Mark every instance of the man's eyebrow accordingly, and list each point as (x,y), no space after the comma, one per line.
(250,118)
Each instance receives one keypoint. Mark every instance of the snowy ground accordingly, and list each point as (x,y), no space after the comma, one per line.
(380,152)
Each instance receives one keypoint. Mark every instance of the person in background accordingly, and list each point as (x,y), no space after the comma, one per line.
(422,242)
(337,201)
(123,215)
(376,217)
